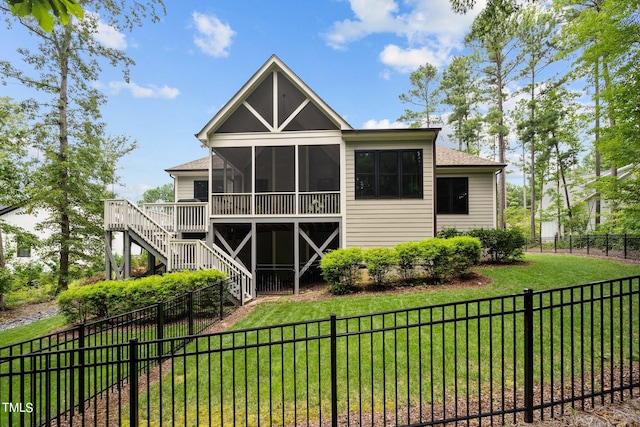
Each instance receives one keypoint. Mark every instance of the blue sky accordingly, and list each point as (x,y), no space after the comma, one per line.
(355,54)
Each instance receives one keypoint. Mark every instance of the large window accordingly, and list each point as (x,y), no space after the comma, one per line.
(386,174)
(453,196)
(201,190)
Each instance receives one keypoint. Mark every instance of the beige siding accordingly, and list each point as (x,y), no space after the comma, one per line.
(385,222)
(481,203)
(184,186)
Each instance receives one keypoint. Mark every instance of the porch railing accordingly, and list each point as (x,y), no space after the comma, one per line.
(316,203)
(196,255)
(179,217)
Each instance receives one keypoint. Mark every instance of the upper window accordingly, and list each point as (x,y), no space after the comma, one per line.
(453,196)
(201,190)
(24,252)
(388,174)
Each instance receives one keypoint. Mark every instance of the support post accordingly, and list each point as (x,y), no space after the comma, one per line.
(296,258)
(190,311)
(528,355)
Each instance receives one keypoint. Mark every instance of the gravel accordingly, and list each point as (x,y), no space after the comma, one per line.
(30,317)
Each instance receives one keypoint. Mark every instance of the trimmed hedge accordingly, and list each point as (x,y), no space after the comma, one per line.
(436,259)
(501,245)
(341,269)
(112,297)
(379,261)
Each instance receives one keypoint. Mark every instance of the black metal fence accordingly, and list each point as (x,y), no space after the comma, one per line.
(494,360)
(92,346)
(626,246)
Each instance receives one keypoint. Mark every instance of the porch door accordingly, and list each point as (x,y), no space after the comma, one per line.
(275,271)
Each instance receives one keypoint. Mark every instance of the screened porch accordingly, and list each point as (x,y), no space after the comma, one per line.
(276,180)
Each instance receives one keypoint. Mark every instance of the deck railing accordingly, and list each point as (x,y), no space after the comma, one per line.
(179,217)
(316,203)
(196,255)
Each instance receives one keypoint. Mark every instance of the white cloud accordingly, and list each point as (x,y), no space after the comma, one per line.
(383,124)
(432,31)
(105,34)
(151,91)
(407,60)
(214,37)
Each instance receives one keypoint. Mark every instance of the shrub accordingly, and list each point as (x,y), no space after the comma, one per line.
(408,256)
(466,252)
(501,245)
(109,298)
(341,269)
(379,262)
(436,258)
(448,233)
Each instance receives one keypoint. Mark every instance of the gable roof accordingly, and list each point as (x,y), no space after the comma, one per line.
(273,64)
(445,157)
(6,209)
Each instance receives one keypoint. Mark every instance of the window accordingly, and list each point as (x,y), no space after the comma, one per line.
(386,174)
(24,252)
(200,190)
(453,196)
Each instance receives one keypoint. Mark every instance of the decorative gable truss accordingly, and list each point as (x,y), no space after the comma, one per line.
(274,100)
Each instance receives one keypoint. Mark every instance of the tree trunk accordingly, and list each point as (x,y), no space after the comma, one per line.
(63,158)
(597,139)
(501,147)
(3,261)
(532,114)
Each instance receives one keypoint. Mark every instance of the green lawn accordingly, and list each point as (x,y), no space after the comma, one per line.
(32,330)
(435,356)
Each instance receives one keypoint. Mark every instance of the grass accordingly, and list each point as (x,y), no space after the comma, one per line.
(267,380)
(32,330)
(273,382)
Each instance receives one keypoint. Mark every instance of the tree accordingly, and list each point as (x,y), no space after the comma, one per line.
(161,194)
(424,95)
(460,88)
(492,34)
(78,156)
(46,11)
(14,168)
(535,32)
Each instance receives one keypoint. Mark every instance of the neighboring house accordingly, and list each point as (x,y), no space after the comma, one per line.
(286,179)
(22,251)
(582,190)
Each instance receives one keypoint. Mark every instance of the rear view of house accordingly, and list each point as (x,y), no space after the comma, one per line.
(287,179)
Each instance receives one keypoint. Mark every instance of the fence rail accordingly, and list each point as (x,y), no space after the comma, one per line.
(626,246)
(495,360)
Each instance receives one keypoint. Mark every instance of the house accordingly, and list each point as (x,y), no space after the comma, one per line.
(581,191)
(21,248)
(286,179)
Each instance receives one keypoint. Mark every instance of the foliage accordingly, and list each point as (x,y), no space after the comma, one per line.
(341,269)
(447,233)
(501,245)
(436,259)
(161,194)
(424,94)
(108,298)
(78,157)
(408,257)
(46,11)
(466,252)
(379,261)
(459,84)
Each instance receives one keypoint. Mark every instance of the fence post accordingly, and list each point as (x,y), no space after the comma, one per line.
(555,244)
(190,311)
(221,296)
(570,243)
(160,326)
(587,243)
(334,373)
(81,362)
(606,244)
(625,245)
(133,382)
(528,356)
